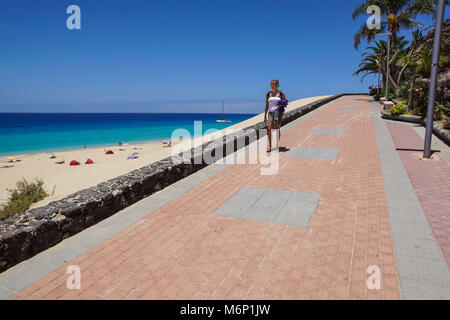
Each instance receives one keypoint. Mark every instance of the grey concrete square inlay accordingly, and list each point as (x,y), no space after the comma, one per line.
(339,132)
(340,109)
(312,153)
(270,205)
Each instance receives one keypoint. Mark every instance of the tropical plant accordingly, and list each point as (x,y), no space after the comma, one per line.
(420,96)
(419,64)
(409,58)
(374,60)
(440,111)
(396,14)
(447,124)
(399,108)
(418,60)
(391,94)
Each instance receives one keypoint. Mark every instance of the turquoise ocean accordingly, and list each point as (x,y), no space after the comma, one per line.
(23,133)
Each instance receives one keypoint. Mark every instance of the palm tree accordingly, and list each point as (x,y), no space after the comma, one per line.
(418,60)
(374,60)
(409,58)
(398,14)
(420,64)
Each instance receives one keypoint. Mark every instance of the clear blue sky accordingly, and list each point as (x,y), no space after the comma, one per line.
(133,55)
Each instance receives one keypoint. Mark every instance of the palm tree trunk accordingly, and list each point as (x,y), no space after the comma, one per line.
(393,42)
(392,82)
(401,73)
(411,91)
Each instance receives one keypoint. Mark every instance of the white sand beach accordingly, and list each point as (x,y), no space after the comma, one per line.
(61,180)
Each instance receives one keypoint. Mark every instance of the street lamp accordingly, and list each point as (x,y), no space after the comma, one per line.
(433,79)
(388,34)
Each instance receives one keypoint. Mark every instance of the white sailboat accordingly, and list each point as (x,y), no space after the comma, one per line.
(223,120)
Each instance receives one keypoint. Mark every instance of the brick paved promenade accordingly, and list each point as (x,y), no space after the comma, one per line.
(309,232)
(431,180)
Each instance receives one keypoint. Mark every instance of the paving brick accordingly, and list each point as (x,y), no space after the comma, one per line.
(183,251)
(430,179)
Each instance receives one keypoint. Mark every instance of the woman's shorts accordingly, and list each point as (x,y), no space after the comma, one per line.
(271,118)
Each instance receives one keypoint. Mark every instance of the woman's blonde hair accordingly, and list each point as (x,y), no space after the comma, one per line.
(275,81)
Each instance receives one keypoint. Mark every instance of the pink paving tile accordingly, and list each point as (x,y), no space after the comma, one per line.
(182,251)
(430,179)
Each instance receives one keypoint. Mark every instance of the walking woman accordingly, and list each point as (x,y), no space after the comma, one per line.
(275,108)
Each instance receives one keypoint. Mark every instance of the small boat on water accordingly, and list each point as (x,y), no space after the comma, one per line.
(223,120)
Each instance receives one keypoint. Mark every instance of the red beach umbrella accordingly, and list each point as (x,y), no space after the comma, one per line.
(89,161)
(109,152)
(74,163)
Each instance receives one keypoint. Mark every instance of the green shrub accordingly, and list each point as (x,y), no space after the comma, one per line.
(447,124)
(420,97)
(399,108)
(391,94)
(440,111)
(22,197)
(373,91)
(404,89)
(412,113)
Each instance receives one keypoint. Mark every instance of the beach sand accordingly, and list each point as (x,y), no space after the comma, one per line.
(61,180)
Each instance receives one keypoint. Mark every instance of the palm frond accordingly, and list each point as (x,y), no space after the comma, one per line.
(360,10)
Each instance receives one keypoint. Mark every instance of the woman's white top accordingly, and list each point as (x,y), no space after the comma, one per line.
(273,103)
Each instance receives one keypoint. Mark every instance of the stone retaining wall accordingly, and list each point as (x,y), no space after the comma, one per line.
(25,235)
(401,117)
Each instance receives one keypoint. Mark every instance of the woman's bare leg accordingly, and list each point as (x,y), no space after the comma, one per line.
(279,134)
(269,135)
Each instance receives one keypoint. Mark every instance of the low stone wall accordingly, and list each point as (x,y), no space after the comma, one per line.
(442,133)
(438,130)
(23,236)
(401,117)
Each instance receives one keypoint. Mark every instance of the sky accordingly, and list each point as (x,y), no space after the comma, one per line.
(174,56)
